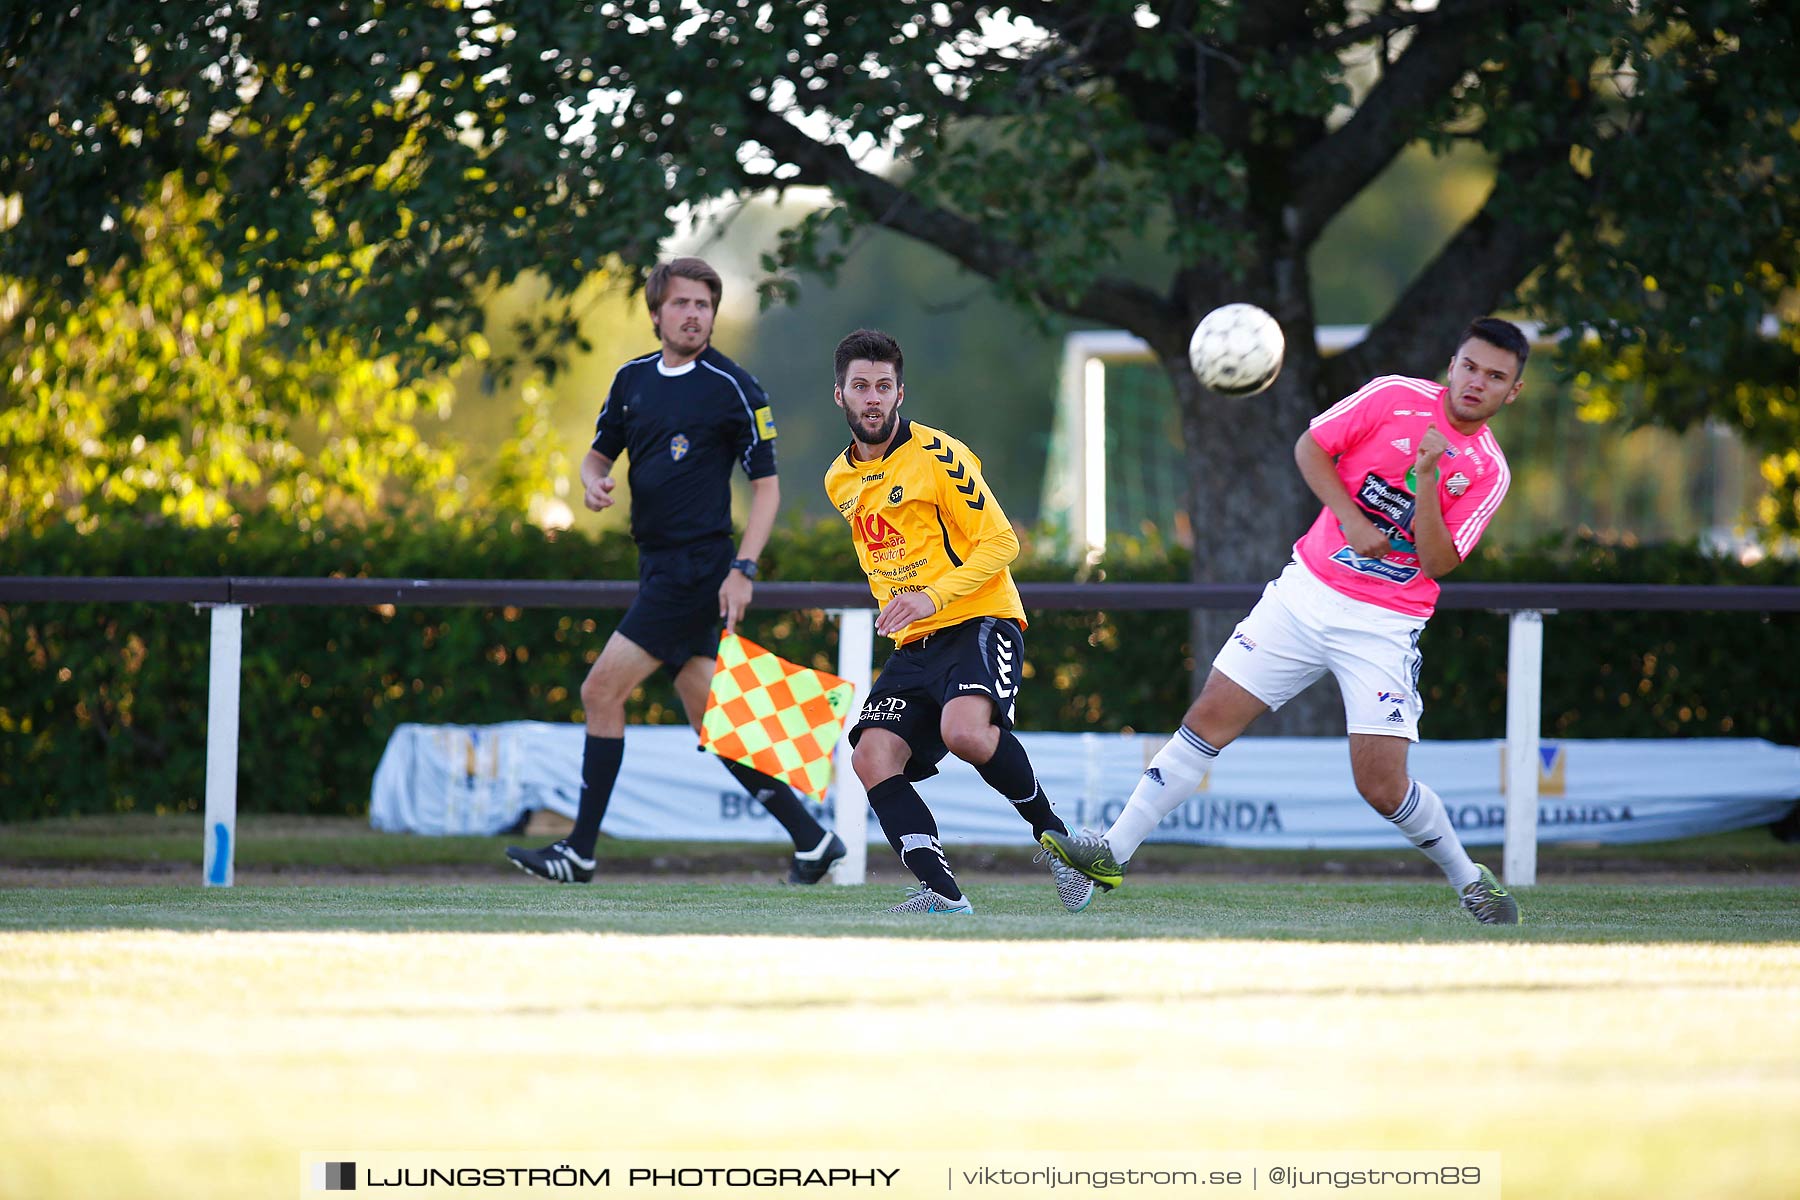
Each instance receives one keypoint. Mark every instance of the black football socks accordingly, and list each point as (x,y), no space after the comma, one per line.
(600,759)
(1009,773)
(782,803)
(913,833)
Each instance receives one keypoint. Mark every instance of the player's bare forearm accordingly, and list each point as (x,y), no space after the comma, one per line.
(1431,534)
(1320,473)
(765,502)
(1321,476)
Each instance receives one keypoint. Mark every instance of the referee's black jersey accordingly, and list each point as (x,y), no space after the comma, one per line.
(684,429)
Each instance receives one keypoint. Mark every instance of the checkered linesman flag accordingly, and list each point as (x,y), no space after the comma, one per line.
(768,713)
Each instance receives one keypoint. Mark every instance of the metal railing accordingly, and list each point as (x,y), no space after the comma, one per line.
(227,597)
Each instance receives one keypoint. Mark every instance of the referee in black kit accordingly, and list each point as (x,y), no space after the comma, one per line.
(685,414)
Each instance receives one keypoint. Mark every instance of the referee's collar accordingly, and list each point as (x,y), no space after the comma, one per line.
(691,364)
(902,435)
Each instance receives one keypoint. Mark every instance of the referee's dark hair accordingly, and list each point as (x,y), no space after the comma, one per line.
(656,288)
(1502,335)
(870,345)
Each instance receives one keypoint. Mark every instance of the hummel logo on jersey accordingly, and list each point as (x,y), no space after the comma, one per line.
(1457,484)
(1154,773)
(1403,445)
(1394,718)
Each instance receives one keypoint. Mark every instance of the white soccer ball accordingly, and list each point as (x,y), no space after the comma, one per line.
(1236,350)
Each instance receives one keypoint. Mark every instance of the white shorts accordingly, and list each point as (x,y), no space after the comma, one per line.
(1301,628)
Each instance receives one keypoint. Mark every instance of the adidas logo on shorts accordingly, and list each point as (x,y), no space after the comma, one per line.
(1394,718)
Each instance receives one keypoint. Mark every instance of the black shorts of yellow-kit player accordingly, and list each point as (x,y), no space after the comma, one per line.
(983,656)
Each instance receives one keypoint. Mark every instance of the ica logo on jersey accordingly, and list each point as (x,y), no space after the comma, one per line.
(875,531)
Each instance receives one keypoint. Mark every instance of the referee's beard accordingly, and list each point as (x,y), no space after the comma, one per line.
(881,434)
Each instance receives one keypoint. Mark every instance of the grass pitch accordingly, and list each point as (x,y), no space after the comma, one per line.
(1629,1040)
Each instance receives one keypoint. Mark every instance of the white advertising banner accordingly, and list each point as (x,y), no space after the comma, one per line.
(1264,793)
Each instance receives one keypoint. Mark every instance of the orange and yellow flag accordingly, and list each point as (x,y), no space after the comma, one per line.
(770,714)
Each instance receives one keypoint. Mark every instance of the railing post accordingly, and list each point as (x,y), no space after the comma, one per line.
(224,664)
(856,652)
(1524,720)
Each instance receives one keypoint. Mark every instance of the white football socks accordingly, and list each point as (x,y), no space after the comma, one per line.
(1421,817)
(1169,780)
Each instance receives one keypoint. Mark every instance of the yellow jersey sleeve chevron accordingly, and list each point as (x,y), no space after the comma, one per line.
(924,520)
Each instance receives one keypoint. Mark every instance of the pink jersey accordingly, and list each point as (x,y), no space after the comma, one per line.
(1374,436)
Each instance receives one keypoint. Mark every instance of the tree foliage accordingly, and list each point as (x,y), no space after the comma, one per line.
(1645,161)
(157,392)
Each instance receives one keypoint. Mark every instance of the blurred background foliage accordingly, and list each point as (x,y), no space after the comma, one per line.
(165,396)
(160,394)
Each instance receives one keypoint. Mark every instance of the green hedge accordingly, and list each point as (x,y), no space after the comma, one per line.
(102,707)
(1623,674)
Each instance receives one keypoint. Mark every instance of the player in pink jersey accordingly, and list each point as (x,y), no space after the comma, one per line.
(1409,476)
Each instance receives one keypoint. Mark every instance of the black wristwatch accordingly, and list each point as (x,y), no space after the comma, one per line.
(746,565)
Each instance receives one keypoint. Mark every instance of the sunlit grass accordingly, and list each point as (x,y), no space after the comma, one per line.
(178,1042)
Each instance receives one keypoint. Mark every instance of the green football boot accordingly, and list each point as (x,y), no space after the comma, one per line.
(1087,853)
(1488,902)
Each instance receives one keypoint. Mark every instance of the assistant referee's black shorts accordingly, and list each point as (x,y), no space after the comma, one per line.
(981,656)
(676,614)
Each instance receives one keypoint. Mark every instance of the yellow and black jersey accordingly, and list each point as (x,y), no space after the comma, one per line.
(923,520)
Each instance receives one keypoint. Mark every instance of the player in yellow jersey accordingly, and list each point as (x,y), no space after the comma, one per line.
(935,546)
